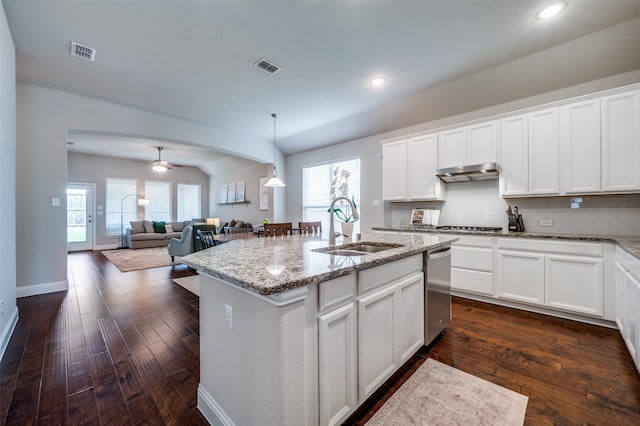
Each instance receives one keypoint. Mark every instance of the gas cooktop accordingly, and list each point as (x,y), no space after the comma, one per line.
(469,228)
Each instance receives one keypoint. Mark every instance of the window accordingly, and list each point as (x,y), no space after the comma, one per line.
(321,184)
(117,189)
(159,196)
(188,201)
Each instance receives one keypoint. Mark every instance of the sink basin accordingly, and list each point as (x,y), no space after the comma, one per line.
(359,249)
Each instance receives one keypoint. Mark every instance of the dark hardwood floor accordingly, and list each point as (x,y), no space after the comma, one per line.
(123,348)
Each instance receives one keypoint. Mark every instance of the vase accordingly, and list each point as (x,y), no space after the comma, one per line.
(347,229)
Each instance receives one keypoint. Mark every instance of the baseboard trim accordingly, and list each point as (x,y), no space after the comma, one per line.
(107,247)
(8,331)
(210,409)
(45,288)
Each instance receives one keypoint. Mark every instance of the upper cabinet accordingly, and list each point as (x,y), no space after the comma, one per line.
(475,144)
(544,174)
(621,142)
(408,170)
(581,147)
(514,156)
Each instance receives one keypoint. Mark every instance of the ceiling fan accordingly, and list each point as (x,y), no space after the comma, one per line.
(159,165)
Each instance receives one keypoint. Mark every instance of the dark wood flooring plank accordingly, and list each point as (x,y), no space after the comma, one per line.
(83,408)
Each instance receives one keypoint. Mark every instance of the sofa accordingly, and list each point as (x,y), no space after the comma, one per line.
(145,233)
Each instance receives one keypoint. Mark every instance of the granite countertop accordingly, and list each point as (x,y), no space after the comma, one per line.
(274,264)
(629,244)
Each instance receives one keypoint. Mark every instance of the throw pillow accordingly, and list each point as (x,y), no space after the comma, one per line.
(148,226)
(137,226)
(168,229)
(177,226)
(159,227)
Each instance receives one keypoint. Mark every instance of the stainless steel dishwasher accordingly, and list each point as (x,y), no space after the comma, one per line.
(437,306)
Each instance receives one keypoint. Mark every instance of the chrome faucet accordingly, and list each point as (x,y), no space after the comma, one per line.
(332,233)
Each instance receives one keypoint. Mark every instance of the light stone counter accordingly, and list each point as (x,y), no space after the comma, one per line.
(274,264)
(629,244)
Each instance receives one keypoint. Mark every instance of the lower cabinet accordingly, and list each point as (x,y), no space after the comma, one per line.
(365,335)
(628,302)
(566,276)
(337,365)
(472,265)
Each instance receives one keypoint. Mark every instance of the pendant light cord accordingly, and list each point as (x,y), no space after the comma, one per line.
(274,143)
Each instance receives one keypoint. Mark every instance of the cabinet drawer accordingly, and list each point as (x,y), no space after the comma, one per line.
(562,247)
(333,293)
(383,274)
(472,281)
(474,241)
(480,259)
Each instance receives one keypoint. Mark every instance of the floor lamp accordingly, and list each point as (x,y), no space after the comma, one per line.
(141,202)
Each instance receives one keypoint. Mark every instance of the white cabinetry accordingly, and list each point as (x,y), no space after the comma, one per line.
(567,276)
(581,147)
(543,159)
(408,168)
(469,145)
(514,156)
(472,265)
(621,142)
(628,302)
(390,320)
(337,350)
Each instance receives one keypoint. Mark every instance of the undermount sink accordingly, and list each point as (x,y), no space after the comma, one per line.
(357,249)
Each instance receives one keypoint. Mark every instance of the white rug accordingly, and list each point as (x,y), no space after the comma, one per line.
(437,394)
(191,283)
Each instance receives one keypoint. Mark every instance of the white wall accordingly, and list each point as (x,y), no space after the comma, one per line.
(9,311)
(474,203)
(43,118)
(87,168)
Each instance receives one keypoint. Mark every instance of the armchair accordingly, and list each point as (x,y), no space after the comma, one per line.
(182,246)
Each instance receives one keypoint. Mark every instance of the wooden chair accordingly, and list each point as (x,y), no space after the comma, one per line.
(207,239)
(310,227)
(278,229)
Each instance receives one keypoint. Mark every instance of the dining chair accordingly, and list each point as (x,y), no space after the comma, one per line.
(207,239)
(310,227)
(278,229)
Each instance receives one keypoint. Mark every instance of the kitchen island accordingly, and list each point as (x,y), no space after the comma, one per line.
(292,335)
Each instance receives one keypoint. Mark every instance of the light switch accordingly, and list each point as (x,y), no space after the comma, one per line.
(376,203)
(55,201)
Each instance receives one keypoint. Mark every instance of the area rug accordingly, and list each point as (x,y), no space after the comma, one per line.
(191,283)
(437,394)
(134,260)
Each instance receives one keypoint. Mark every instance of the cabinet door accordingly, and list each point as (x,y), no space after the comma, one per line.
(482,143)
(544,174)
(410,316)
(621,142)
(337,364)
(521,276)
(581,147)
(452,148)
(377,355)
(394,171)
(422,162)
(514,154)
(621,299)
(633,317)
(575,283)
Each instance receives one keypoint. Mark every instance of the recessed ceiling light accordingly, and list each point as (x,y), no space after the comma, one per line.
(551,10)
(377,82)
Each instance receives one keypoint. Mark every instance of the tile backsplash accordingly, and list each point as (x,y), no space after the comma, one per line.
(478,203)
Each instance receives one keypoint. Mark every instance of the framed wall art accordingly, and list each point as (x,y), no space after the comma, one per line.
(223,194)
(240,192)
(263,193)
(231,192)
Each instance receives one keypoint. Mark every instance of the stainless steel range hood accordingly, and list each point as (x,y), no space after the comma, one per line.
(477,172)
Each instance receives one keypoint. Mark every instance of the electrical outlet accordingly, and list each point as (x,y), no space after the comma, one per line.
(1,308)
(546,222)
(228,318)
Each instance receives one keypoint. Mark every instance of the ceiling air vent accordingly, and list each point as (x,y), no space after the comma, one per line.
(83,52)
(267,66)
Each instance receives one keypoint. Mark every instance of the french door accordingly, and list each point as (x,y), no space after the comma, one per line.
(80,223)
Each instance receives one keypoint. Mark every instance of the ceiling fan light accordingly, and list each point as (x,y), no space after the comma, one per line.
(159,167)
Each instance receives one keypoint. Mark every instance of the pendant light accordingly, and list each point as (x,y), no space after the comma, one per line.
(275,181)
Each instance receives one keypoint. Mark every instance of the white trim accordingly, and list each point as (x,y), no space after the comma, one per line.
(8,331)
(210,409)
(44,288)
(106,247)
